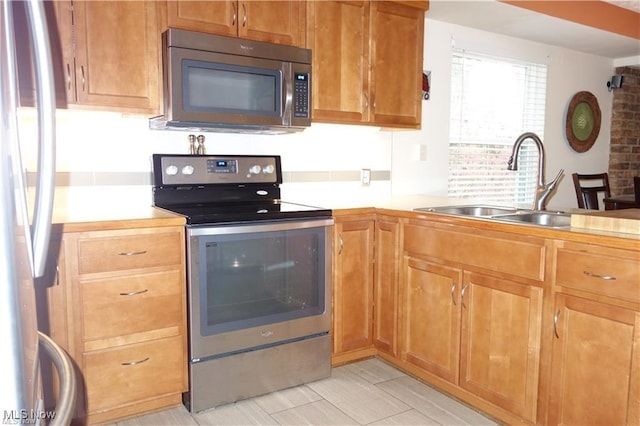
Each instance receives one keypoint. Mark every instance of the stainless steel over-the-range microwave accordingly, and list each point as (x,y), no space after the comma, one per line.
(219,83)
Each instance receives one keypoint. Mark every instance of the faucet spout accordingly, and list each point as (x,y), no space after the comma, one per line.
(543,190)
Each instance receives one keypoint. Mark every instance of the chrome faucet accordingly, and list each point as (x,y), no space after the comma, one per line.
(542,190)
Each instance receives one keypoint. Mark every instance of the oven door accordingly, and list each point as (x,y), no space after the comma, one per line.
(258,284)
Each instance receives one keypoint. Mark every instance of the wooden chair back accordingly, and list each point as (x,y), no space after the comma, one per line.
(588,195)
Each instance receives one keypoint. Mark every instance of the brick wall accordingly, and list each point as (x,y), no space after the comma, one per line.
(624,151)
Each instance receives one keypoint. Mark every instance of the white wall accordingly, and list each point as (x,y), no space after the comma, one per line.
(94,142)
(568,71)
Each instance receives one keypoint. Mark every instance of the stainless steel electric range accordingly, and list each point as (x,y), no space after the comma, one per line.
(258,276)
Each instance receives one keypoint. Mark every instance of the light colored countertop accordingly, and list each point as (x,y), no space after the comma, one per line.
(406,204)
(78,209)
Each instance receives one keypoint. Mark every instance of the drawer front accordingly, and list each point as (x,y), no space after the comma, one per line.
(603,274)
(132,304)
(132,373)
(520,256)
(129,252)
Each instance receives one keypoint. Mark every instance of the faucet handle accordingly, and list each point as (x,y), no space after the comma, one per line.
(560,173)
(554,182)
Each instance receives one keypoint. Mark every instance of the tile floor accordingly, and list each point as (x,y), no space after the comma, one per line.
(368,392)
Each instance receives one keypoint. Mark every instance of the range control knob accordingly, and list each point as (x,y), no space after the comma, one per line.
(254,170)
(268,169)
(171,170)
(187,170)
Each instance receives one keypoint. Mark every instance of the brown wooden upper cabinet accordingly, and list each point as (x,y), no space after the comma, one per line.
(281,22)
(367,61)
(105,54)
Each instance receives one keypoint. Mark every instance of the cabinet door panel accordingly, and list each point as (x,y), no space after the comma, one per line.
(59,22)
(120,375)
(117,68)
(131,304)
(500,353)
(215,17)
(396,71)
(431,317)
(281,22)
(596,376)
(614,273)
(339,39)
(118,252)
(386,285)
(353,285)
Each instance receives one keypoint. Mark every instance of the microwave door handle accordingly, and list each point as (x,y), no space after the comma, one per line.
(287,89)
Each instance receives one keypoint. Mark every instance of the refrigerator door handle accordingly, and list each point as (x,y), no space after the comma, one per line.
(43,210)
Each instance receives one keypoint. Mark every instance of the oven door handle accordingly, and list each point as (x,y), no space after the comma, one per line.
(258,227)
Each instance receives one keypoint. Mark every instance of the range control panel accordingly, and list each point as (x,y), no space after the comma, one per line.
(170,169)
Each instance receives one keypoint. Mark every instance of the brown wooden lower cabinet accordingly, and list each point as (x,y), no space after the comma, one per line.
(478,332)
(118,307)
(528,329)
(595,369)
(596,364)
(353,287)
(385,290)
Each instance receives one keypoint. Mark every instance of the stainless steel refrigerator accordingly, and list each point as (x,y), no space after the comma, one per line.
(25,229)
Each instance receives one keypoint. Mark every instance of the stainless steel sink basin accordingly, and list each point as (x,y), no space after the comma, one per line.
(548,219)
(471,210)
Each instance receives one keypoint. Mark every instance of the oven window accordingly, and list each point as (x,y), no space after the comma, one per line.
(261,278)
(210,86)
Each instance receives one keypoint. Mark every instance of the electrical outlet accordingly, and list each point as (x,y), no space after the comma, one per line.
(423,152)
(365,177)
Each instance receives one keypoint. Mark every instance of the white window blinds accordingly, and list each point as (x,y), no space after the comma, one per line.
(493,101)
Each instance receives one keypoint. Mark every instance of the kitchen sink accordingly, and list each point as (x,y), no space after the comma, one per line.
(548,219)
(471,210)
(507,214)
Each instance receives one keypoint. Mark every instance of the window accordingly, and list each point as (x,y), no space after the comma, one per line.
(493,101)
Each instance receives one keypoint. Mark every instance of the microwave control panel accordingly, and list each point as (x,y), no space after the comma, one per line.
(301,94)
(216,170)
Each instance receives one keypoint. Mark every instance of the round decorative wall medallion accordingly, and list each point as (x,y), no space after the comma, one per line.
(583,121)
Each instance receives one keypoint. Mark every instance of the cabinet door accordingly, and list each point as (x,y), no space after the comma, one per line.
(353,285)
(595,367)
(59,22)
(281,22)
(500,342)
(117,56)
(396,71)
(430,317)
(385,292)
(215,17)
(339,39)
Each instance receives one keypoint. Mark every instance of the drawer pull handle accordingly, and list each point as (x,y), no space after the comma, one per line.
(602,277)
(340,244)
(555,324)
(133,293)
(135,362)
(453,290)
(131,253)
